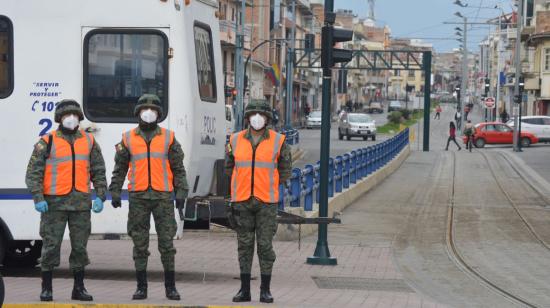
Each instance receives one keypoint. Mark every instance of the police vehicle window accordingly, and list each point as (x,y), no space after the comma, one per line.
(205,62)
(6,57)
(120,66)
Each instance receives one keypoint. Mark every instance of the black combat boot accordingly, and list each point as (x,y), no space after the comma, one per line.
(141,291)
(265,294)
(79,291)
(47,293)
(170,286)
(244,293)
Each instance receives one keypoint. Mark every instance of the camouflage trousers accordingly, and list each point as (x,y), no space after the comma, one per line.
(139,223)
(52,228)
(255,219)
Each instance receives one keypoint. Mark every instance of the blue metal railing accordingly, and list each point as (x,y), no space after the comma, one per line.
(292,136)
(302,189)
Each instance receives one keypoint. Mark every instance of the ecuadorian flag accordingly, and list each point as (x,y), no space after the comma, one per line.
(274,74)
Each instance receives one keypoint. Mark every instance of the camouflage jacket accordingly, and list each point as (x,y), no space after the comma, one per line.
(284,164)
(75,200)
(175,157)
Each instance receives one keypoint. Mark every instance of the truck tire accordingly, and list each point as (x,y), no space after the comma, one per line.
(22,253)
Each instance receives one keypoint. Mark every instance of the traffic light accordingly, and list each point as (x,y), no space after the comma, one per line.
(234,92)
(487,86)
(331,36)
(518,97)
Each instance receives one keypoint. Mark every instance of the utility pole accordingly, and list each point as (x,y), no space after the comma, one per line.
(290,69)
(499,50)
(517,118)
(239,70)
(464,81)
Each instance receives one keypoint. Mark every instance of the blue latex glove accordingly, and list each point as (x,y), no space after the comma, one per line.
(41,206)
(97,205)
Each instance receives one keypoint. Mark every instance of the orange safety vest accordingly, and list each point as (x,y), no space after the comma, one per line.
(255,172)
(68,166)
(149,164)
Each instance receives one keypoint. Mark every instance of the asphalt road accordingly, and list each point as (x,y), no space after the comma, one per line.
(310,142)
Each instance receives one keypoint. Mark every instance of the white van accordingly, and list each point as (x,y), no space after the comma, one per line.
(105,54)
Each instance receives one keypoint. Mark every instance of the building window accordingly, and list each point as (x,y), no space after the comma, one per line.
(6,57)
(547,59)
(120,66)
(411,73)
(205,62)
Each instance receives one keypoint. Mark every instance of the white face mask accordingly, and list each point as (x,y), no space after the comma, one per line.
(70,122)
(257,121)
(148,116)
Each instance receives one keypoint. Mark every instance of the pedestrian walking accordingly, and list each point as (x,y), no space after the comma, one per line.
(60,170)
(469,132)
(437,112)
(153,159)
(452,136)
(458,117)
(257,159)
(504,116)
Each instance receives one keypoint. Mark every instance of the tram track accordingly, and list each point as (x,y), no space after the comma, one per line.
(458,259)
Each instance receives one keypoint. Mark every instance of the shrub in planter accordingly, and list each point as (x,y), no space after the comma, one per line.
(395,117)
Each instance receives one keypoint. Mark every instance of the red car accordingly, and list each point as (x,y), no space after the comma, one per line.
(499,133)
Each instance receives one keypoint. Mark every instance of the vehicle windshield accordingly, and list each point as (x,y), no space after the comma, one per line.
(315,114)
(359,118)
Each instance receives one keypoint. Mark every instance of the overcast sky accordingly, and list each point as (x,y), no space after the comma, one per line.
(424,18)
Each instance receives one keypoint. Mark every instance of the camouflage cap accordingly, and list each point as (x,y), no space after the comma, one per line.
(260,106)
(67,106)
(148,101)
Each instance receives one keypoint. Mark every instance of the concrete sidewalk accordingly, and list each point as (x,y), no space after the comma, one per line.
(364,277)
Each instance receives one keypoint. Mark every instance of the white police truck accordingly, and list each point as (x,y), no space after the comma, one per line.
(105,54)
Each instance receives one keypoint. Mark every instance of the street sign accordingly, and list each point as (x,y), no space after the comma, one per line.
(490,102)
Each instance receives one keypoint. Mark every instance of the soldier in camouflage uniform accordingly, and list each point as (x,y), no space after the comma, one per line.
(59,201)
(254,201)
(152,197)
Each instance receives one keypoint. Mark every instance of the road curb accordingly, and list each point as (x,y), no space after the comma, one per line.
(288,232)
(76,305)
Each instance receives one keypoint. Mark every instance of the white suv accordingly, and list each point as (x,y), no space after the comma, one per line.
(356,125)
(538,125)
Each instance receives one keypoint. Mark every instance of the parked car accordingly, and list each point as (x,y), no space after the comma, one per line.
(356,125)
(498,133)
(395,106)
(314,120)
(538,125)
(375,107)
